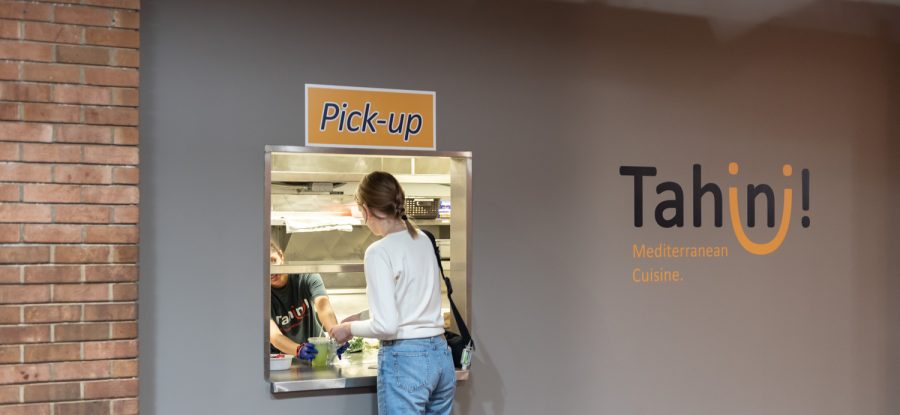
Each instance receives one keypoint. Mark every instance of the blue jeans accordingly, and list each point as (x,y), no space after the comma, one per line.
(415,376)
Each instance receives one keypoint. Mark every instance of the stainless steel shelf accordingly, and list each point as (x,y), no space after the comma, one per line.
(326,267)
(431,222)
(294,176)
(316,266)
(419,222)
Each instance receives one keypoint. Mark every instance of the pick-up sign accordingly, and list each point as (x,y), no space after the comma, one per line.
(341,116)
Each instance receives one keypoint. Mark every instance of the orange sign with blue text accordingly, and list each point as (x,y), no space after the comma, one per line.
(342,116)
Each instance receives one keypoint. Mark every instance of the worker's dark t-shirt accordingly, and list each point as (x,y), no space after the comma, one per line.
(292,307)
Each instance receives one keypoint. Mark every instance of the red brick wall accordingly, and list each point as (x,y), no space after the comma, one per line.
(68,206)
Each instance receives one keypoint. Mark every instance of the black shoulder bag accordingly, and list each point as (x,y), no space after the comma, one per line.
(457,342)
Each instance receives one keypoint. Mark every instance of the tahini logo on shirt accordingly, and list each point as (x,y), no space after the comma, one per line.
(343,116)
(293,318)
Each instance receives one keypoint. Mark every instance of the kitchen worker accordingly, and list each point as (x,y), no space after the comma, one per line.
(300,310)
(403,286)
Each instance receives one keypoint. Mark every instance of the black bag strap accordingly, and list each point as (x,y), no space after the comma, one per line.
(460,323)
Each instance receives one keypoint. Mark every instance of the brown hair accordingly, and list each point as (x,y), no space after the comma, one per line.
(380,191)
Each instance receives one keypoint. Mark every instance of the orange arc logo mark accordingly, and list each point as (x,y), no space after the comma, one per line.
(734,211)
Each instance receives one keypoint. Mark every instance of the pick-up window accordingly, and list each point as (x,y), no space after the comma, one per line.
(314,224)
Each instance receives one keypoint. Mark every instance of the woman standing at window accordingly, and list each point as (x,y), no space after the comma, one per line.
(415,368)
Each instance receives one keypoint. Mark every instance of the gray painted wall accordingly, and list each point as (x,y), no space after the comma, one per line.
(551,99)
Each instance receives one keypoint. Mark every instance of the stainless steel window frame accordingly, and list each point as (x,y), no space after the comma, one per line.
(267,218)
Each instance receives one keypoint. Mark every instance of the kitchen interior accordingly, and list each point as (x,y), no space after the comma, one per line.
(312,215)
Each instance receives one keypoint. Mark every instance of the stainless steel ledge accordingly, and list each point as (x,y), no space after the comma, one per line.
(357,371)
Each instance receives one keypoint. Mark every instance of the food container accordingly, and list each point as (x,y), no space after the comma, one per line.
(444,209)
(280,361)
(355,345)
(326,351)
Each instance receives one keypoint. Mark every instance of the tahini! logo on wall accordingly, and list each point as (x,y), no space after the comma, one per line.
(671,213)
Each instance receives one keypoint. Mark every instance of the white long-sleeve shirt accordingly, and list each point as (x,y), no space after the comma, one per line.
(403,286)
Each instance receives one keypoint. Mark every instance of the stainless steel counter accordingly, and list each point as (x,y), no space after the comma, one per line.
(354,371)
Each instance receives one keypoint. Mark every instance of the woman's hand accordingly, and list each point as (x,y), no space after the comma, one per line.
(341,333)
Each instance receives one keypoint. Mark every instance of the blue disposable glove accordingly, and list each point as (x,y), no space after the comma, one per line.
(307,351)
(342,349)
